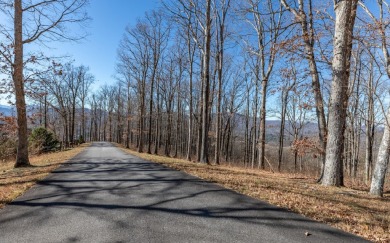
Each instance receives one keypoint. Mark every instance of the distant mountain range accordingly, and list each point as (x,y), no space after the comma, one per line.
(310,129)
(272,133)
(7,110)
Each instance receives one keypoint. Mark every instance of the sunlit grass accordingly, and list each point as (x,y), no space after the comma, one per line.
(14,182)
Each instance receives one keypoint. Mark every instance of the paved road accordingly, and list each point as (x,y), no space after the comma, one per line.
(106,195)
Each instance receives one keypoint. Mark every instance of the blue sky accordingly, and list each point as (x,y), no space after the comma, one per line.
(99,49)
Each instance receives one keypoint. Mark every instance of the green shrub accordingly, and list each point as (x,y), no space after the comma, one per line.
(42,141)
(8,147)
(81,140)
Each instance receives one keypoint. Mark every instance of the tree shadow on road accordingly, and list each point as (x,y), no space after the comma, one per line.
(105,187)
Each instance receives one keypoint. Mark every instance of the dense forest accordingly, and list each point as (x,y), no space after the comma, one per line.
(298,86)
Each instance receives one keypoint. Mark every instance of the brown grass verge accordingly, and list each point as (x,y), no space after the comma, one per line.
(351,210)
(14,182)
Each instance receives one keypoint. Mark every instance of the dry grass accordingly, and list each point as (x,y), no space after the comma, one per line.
(14,182)
(351,210)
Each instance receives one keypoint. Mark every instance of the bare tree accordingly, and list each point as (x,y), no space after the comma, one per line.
(289,83)
(34,21)
(191,56)
(345,11)
(222,11)
(297,113)
(266,21)
(157,38)
(86,80)
(206,84)
(56,88)
(134,55)
(379,172)
(304,16)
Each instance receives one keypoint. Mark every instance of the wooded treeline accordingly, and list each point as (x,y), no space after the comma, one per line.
(286,85)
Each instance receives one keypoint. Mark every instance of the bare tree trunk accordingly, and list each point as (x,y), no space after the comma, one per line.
(206,87)
(128,133)
(369,127)
(119,116)
(158,121)
(177,136)
(264,85)
(83,133)
(45,111)
(358,121)
(190,115)
(141,118)
(128,117)
(17,76)
(167,149)
(246,143)
(282,125)
(227,140)
(66,130)
(219,98)
(345,19)
(295,161)
(151,107)
(220,43)
(73,121)
(199,135)
(247,132)
(380,169)
(357,149)
(254,125)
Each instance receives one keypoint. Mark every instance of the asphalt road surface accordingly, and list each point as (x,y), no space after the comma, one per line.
(106,195)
